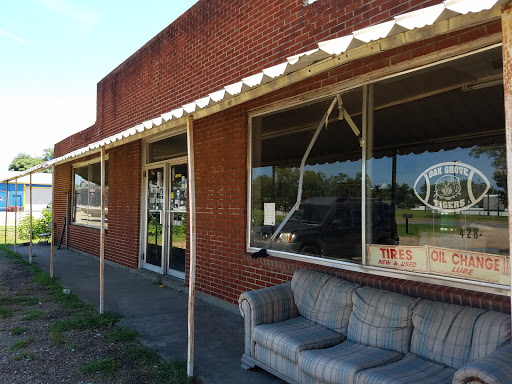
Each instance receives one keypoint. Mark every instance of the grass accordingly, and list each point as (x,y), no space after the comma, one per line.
(33,314)
(104,367)
(6,312)
(17,330)
(25,300)
(121,334)
(141,355)
(77,322)
(20,344)
(422,215)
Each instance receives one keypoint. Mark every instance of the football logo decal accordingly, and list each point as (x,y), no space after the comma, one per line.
(451,186)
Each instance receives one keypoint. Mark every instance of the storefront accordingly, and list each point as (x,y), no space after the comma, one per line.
(368,141)
(431,143)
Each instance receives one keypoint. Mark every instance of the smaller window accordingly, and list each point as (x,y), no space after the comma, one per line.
(86,208)
(169,148)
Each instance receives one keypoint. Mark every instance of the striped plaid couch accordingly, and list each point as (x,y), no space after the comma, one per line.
(322,329)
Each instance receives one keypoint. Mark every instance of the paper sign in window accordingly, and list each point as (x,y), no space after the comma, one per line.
(398,257)
(270,214)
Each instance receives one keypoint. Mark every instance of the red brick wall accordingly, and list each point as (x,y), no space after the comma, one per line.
(124,180)
(124,195)
(216,43)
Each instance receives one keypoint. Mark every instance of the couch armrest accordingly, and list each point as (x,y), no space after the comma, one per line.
(492,369)
(266,306)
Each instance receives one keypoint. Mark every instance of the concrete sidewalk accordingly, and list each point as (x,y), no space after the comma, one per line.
(159,314)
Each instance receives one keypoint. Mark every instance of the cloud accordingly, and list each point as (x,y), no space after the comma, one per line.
(82,18)
(11,36)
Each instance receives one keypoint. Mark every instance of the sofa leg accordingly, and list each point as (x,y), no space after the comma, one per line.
(247,362)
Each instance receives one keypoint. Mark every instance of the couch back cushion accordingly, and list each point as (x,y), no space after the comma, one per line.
(492,329)
(444,332)
(381,319)
(324,299)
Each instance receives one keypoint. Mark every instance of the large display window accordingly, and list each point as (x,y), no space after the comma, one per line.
(86,209)
(431,146)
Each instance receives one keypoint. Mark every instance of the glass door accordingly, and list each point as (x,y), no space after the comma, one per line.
(177,219)
(155,219)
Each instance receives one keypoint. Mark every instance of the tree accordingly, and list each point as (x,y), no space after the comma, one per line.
(498,155)
(23,161)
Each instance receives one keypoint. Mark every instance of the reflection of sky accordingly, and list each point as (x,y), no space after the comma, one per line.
(409,167)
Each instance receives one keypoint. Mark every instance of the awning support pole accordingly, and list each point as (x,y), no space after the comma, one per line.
(506,24)
(192,223)
(102,232)
(67,218)
(6,210)
(30,233)
(52,229)
(15,212)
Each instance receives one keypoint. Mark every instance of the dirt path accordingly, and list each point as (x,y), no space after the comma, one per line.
(47,336)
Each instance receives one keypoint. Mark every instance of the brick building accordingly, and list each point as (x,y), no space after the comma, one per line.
(291,103)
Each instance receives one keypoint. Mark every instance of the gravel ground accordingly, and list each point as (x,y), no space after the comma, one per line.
(34,350)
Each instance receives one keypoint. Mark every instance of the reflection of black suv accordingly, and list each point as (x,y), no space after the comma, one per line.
(330,227)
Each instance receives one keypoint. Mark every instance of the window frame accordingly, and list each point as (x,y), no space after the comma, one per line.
(83,164)
(366,82)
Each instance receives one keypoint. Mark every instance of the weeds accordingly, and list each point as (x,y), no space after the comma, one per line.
(25,300)
(105,367)
(20,344)
(17,330)
(6,312)
(141,355)
(33,314)
(121,334)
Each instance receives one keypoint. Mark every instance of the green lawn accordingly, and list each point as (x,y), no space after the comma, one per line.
(422,215)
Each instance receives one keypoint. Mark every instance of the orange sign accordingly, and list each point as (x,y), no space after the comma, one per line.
(469,265)
(398,257)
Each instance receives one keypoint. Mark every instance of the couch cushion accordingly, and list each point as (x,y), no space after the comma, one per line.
(491,330)
(290,337)
(381,319)
(324,299)
(444,332)
(411,369)
(341,363)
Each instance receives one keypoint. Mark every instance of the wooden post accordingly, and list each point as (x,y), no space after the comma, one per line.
(15,211)
(506,24)
(102,232)
(192,222)
(30,235)
(53,221)
(6,209)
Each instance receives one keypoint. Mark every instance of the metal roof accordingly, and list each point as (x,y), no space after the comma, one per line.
(448,12)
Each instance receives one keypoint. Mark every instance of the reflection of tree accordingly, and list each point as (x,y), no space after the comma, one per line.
(284,188)
(405,197)
(497,153)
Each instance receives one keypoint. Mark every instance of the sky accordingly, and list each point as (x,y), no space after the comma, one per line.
(52,55)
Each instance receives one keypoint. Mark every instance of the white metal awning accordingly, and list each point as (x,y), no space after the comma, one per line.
(435,20)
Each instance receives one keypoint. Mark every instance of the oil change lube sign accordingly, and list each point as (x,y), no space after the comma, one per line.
(398,257)
(469,265)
